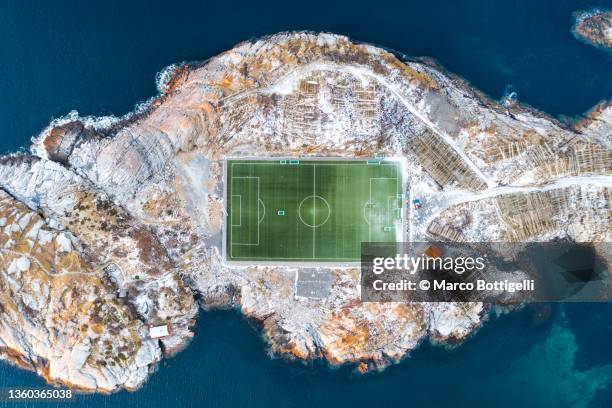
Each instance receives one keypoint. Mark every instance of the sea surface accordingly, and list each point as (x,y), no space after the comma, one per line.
(101,59)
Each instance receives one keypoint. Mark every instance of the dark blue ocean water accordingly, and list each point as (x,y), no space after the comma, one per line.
(101,59)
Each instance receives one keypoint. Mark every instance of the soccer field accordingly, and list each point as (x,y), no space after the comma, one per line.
(310,211)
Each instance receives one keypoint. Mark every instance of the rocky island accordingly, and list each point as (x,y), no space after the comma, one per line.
(112,228)
(594,27)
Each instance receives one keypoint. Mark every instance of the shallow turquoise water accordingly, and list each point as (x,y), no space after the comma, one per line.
(518,360)
(102,59)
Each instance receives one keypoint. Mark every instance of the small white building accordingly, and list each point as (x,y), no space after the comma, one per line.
(157,332)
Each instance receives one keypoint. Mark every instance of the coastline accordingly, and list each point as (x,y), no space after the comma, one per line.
(108,127)
(582,31)
(168,78)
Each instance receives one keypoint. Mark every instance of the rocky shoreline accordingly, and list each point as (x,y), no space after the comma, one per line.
(108,229)
(594,27)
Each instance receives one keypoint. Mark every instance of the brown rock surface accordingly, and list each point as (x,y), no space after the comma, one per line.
(139,204)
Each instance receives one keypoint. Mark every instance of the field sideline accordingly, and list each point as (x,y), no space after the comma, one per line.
(310,210)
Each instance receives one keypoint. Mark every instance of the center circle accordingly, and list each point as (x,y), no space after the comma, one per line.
(314,211)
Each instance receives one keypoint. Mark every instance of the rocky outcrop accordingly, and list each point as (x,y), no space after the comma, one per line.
(138,204)
(594,27)
(59,316)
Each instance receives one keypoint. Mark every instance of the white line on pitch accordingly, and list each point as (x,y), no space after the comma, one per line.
(314,221)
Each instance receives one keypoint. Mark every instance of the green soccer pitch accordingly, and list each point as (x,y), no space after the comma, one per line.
(310,211)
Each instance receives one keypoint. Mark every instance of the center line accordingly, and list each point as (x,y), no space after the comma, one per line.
(314,222)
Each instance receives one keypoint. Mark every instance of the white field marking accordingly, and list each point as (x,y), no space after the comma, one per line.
(365,217)
(321,163)
(370,201)
(370,213)
(314,218)
(312,163)
(259,220)
(239,212)
(399,191)
(321,223)
(391,202)
(272,259)
(232,243)
(258,200)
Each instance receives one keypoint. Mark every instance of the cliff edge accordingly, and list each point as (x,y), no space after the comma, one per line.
(109,228)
